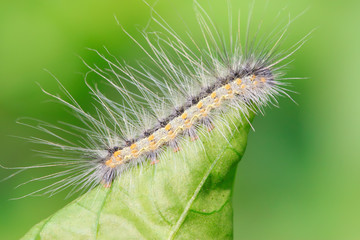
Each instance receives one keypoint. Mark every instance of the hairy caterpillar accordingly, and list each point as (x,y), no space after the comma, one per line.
(188,90)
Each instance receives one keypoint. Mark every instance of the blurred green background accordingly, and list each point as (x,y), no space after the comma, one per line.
(300,176)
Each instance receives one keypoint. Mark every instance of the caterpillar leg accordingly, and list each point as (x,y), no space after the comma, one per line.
(154,162)
(154,158)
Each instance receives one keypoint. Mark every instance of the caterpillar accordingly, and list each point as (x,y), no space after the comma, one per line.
(186,89)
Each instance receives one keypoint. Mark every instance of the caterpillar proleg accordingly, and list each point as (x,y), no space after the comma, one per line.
(180,93)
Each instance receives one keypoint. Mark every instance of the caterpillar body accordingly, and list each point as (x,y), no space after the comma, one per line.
(184,91)
(239,87)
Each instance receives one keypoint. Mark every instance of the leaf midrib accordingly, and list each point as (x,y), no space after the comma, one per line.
(196,192)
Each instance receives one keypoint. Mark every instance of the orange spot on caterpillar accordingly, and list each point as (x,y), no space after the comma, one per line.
(184,115)
(153,145)
(199,105)
(253,77)
(116,156)
(263,80)
(227,86)
(171,134)
(110,163)
(151,137)
(167,127)
(213,95)
(133,146)
(117,153)
(238,81)
(217,102)
(256,82)
(134,153)
(243,86)
(176,149)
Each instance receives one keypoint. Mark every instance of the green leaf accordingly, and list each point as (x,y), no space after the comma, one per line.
(187,195)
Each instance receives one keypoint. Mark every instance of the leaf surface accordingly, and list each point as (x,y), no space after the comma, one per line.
(187,195)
